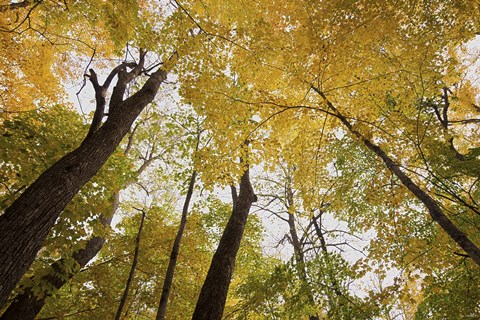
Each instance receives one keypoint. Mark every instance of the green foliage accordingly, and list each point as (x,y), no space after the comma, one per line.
(452,294)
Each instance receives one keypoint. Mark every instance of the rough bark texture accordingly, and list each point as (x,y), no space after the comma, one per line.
(167,283)
(433,208)
(26,223)
(213,295)
(123,301)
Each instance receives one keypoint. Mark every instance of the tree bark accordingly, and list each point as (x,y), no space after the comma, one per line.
(162,307)
(26,223)
(213,295)
(433,208)
(132,269)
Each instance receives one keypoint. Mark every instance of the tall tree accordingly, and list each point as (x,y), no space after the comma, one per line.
(376,95)
(27,304)
(167,283)
(27,221)
(211,302)
(287,199)
(433,208)
(371,71)
(129,281)
(314,270)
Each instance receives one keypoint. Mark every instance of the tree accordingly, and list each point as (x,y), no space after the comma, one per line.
(372,103)
(20,253)
(162,308)
(96,290)
(211,302)
(132,269)
(435,211)
(51,192)
(45,44)
(114,178)
(317,278)
(289,206)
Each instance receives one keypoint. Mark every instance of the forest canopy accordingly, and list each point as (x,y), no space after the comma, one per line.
(298,159)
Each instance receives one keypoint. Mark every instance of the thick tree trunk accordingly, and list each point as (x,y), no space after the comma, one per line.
(26,306)
(26,223)
(167,283)
(123,301)
(213,295)
(433,208)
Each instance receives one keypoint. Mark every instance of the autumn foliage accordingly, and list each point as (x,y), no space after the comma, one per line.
(349,129)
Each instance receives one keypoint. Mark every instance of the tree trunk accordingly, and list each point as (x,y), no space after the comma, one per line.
(162,307)
(297,246)
(300,260)
(26,223)
(213,295)
(433,208)
(132,270)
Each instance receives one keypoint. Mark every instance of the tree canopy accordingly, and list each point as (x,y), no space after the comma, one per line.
(333,144)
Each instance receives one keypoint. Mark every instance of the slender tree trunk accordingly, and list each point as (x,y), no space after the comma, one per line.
(123,301)
(167,283)
(297,247)
(213,295)
(300,260)
(433,208)
(26,223)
